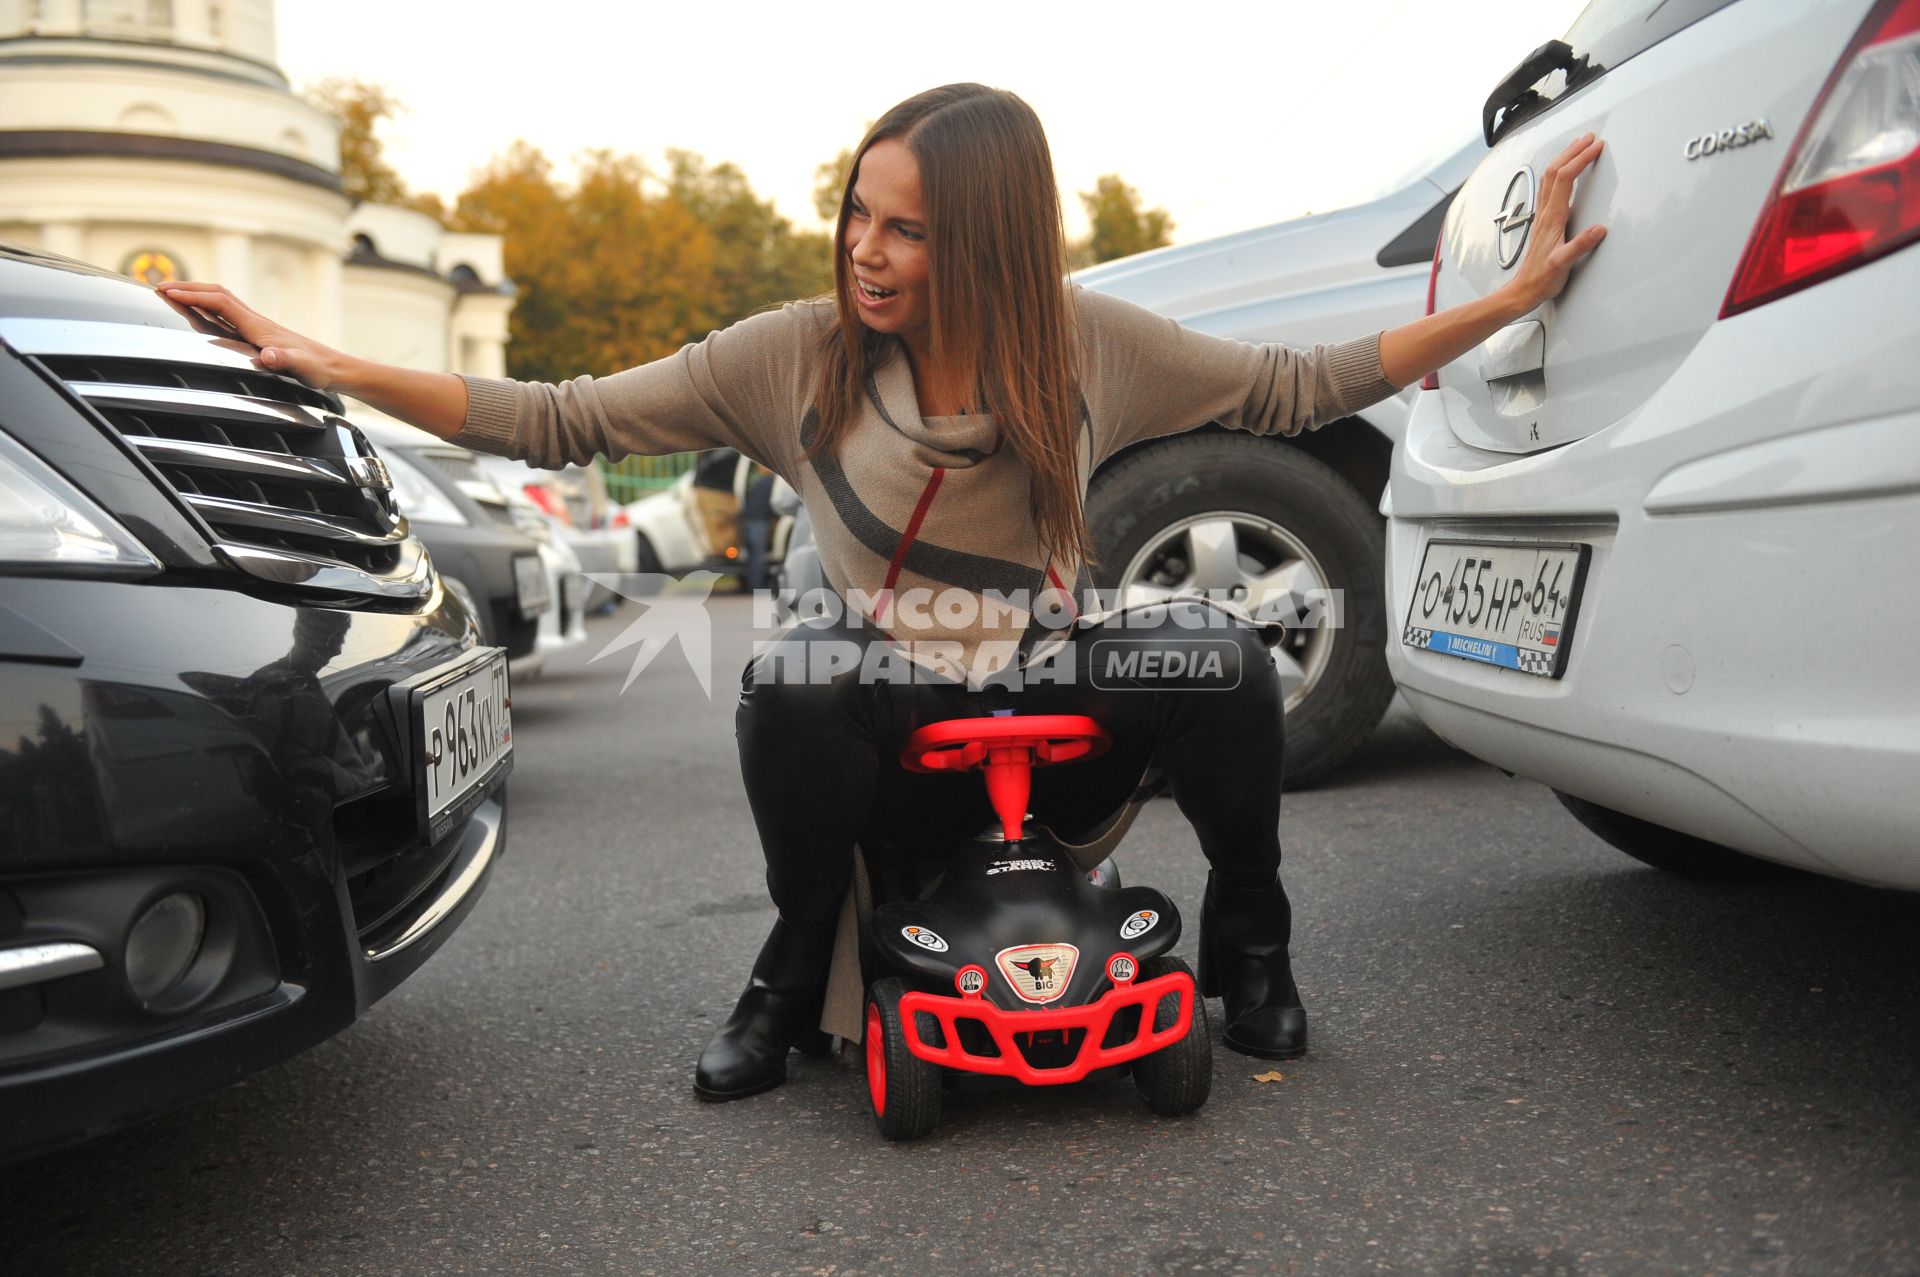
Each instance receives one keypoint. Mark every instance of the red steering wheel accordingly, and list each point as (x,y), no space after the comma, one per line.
(1007,749)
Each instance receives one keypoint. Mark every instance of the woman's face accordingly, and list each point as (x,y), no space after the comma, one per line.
(886,243)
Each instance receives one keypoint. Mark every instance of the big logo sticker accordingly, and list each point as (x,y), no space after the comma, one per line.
(1038,972)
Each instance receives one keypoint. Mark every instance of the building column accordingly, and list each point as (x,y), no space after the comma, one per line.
(328,306)
(69,239)
(233,261)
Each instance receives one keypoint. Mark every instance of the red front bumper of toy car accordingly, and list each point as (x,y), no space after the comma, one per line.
(1007,1027)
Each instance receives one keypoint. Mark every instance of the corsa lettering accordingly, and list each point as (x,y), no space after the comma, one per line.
(1728,139)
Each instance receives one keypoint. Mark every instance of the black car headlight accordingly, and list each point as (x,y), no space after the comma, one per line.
(47,525)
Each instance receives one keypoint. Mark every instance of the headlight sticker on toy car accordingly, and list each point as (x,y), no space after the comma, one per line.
(928,940)
(1038,972)
(1138,924)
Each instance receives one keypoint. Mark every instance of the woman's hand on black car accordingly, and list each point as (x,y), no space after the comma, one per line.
(434,401)
(281,349)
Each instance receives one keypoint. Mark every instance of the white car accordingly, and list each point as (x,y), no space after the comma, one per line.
(694,523)
(1221,510)
(1657,544)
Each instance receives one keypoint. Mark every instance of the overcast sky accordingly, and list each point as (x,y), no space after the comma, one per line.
(1228,115)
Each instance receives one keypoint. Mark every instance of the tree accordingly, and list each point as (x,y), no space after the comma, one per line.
(1120,228)
(359,107)
(364,171)
(625,266)
(829,180)
(759,258)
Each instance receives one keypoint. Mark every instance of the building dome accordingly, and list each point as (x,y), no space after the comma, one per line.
(161,139)
(234,29)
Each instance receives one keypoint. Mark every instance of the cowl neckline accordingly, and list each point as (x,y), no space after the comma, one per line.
(948,442)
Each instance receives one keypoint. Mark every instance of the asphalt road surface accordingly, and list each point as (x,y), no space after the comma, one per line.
(1530,1055)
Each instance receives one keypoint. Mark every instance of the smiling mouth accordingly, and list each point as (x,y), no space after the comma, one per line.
(874,291)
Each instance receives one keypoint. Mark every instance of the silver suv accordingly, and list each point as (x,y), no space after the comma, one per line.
(1655,544)
(1219,510)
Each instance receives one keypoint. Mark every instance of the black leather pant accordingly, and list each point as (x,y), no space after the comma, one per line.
(820,746)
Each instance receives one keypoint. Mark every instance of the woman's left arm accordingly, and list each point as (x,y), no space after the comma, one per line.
(1147,376)
(1413,350)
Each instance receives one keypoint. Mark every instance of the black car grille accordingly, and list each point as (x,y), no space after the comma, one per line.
(291,492)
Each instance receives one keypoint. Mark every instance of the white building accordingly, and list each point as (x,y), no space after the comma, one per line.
(160,139)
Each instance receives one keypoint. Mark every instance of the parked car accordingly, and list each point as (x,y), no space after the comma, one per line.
(695,523)
(1672,520)
(1220,510)
(253,759)
(575,502)
(490,558)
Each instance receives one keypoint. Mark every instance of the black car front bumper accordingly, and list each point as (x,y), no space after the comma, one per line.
(160,740)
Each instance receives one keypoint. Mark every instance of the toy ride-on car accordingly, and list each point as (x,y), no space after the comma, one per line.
(1017,965)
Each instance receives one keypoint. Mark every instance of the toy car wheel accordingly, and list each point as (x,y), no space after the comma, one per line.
(1176,1079)
(904,1089)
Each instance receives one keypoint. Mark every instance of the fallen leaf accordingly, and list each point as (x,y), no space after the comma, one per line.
(1270,1076)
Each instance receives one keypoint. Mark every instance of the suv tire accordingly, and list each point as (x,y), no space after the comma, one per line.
(1286,507)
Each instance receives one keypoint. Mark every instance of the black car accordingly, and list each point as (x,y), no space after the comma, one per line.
(252,755)
(483,552)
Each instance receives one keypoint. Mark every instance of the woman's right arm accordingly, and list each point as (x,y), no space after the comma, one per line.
(745,386)
(434,401)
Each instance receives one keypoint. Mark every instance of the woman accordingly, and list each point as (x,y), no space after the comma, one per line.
(940,414)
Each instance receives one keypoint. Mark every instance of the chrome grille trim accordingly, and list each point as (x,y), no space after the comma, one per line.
(249,461)
(178,401)
(268,518)
(410,580)
(97,339)
(291,493)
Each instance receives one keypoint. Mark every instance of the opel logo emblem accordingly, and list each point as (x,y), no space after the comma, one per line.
(1515,217)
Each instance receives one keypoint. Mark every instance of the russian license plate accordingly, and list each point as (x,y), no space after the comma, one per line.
(462,724)
(1510,604)
(530,584)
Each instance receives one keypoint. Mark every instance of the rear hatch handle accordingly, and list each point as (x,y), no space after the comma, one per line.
(1514,350)
(1516,95)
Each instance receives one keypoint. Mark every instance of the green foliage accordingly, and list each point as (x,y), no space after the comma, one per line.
(829,180)
(1120,227)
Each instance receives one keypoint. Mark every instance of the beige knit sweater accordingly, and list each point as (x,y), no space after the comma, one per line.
(751,386)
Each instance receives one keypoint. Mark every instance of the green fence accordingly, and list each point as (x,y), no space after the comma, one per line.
(634,477)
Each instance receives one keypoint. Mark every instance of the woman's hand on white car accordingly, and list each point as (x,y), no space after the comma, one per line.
(1551,256)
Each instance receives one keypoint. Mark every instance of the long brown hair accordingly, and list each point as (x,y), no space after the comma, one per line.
(1002,317)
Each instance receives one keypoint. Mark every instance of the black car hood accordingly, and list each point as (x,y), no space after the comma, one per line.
(36,285)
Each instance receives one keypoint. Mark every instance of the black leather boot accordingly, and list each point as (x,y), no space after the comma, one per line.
(779,1011)
(1243,961)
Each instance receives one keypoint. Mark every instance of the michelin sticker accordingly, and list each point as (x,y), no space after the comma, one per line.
(925,939)
(1139,924)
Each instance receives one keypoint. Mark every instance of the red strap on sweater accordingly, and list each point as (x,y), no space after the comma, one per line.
(907,538)
(1054,576)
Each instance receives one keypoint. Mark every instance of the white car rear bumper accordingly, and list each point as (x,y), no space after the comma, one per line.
(1743,665)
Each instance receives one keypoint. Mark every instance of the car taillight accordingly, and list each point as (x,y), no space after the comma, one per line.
(550,505)
(1850,190)
(1432,380)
